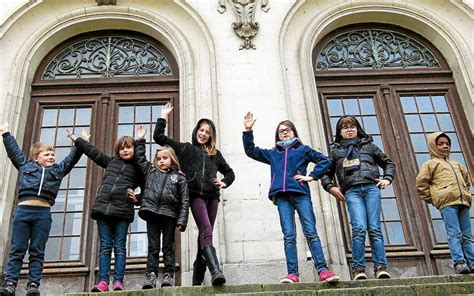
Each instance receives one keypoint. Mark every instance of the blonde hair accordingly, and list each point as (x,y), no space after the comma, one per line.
(171,154)
(125,141)
(210,146)
(36,149)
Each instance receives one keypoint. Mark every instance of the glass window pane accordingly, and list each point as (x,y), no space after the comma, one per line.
(126,114)
(422,158)
(142,114)
(138,244)
(454,142)
(408,104)
(49,117)
(333,124)
(424,104)
(371,125)
(73,224)
(429,122)
(440,231)
(390,209)
(419,143)
(395,232)
(156,112)
(367,106)
(378,142)
(83,116)
(53,249)
(47,135)
(57,225)
(61,153)
(75,200)
(138,225)
(62,138)
(351,107)
(457,156)
(71,248)
(388,192)
(335,108)
(66,117)
(413,123)
(445,122)
(77,178)
(439,103)
(60,201)
(434,212)
(125,130)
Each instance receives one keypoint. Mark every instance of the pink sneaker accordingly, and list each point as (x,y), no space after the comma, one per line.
(102,286)
(289,279)
(328,276)
(118,286)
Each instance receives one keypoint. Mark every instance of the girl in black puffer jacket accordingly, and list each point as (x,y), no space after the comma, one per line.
(113,208)
(200,161)
(165,206)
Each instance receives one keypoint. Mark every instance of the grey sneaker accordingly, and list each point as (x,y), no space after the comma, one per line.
(150,281)
(168,280)
(462,268)
(359,275)
(32,289)
(8,289)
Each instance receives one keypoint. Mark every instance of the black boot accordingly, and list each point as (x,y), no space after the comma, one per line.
(199,269)
(217,277)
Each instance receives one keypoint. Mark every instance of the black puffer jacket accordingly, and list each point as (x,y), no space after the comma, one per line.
(371,158)
(112,198)
(200,169)
(166,193)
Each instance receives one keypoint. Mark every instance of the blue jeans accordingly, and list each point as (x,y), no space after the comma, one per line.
(364,205)
(287,204)
(112,234)
(458,227)
(30,232)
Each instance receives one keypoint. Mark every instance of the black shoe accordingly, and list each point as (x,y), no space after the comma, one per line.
(150,282)
(168,280)
(8,289)
(199,270)
(217,277)
(32,289)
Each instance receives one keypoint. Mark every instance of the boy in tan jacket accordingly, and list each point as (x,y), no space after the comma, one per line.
(446,184)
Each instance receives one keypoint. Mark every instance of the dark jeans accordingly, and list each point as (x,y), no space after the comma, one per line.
(112,234)
(30,232)
(287,205)
(166,226)
(204,213)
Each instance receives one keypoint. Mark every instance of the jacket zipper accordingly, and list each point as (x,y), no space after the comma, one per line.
(113,187)
(161,192)
(202,176)
(456,176)
(42,179)
(284,172)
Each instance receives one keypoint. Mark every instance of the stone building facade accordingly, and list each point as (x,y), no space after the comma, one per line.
(405,68)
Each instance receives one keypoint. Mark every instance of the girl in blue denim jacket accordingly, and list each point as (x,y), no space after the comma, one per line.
(290,191)
(40,179)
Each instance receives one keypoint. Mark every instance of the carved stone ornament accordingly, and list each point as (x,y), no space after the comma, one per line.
(245,25)
(106,2)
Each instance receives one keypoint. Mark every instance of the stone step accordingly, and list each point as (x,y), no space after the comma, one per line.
(426,285)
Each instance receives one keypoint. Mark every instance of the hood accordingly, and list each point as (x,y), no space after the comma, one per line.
(360,131)
(198,124)
(434,152)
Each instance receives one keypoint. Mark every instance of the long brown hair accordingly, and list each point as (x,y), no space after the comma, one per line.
(210,145)
(288,124)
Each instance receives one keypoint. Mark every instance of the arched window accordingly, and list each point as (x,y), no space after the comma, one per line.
(108,83)
(401,89)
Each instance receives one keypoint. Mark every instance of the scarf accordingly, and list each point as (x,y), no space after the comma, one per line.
(288,143)
(351,161)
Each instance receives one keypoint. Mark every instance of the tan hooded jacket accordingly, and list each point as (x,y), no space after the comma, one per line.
(442,181)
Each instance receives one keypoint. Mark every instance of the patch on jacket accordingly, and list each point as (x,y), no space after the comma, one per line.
(174,179)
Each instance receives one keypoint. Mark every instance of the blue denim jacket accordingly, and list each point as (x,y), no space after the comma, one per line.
(287,162)
(34,179)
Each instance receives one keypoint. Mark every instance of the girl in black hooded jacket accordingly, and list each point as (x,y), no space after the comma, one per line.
(165,207)
(200,161)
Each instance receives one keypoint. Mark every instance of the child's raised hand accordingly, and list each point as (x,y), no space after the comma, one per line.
(249,121)
(71,135)
(141,131)
(4,128)
(132,195)
(85,135)
(219,184)
(166,110)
